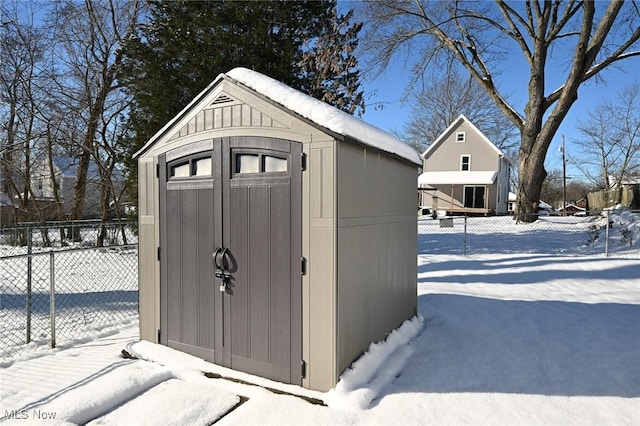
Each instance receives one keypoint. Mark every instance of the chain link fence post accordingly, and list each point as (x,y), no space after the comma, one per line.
(29,276)
(606,238)
(464,238)
(52,298)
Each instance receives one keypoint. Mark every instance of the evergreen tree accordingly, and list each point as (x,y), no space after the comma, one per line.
(186,44)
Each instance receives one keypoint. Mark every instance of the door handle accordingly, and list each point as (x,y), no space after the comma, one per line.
(221,262)
(220,259)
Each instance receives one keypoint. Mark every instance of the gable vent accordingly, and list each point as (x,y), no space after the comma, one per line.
(222,99)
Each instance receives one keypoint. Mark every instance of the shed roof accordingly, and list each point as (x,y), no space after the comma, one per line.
(317,112)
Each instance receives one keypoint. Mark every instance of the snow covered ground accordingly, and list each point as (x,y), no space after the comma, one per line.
(518,339)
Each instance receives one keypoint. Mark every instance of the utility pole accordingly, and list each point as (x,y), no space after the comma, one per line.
(564,180)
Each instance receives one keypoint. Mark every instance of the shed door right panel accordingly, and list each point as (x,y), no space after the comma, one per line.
(262,230)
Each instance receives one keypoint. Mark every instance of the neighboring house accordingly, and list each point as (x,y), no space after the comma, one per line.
(627,194)
(464,173)
(543,208)
(65,170)
(571,209)
(627,180)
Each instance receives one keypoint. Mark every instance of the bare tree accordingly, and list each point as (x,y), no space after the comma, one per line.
(90,36)
(480,36)
(21,72)
(610,140)
(438,104)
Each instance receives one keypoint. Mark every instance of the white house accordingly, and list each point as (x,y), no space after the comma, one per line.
(464,172)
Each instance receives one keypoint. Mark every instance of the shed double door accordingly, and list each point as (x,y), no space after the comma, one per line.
(230,254)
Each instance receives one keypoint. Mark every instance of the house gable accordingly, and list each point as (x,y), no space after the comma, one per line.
(461,143)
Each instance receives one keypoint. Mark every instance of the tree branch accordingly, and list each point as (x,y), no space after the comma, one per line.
(515,33)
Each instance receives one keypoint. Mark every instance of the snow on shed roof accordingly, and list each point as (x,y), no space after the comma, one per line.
(323,114)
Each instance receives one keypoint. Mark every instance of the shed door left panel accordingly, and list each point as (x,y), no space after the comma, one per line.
(188,202)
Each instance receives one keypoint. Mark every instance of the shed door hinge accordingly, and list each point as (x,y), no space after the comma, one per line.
(303,265)
(303,369)
(157,170)
(158,335)
(304,161)
(158,254)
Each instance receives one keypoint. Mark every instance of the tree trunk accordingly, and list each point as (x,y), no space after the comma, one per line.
(531,176)
(80,189)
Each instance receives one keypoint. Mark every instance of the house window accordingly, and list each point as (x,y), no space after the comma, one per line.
(461,136)
(465,163)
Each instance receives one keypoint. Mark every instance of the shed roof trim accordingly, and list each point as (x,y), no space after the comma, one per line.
(323,114)
(457,178)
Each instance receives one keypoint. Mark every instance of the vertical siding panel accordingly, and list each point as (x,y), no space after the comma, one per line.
(236,115)
(259,272)
(205,303)
(256,117)
(200,121)
(208,119)
(147,252)
(226,116)
(280,278)
(239,228)
(189,280)
(328,189)
(217,118)
(246,115)
(315,182)
(174,273)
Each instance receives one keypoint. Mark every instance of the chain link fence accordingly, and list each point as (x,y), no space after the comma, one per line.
(65,281)
(614,232)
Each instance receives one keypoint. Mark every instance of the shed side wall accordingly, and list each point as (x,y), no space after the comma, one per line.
(377,249)
(319,290)
(148,273)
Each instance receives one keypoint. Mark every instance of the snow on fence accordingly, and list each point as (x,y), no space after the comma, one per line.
(609,232)
(65,281)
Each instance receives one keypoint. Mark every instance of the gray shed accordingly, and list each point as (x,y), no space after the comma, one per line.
(277,233)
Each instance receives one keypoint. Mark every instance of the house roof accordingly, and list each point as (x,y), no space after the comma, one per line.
(461,118)
(68,167)
(457,178)
(571,206)
(627,180)
(315,111)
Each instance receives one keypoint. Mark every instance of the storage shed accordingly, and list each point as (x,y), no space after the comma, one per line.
(277,233)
